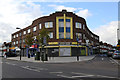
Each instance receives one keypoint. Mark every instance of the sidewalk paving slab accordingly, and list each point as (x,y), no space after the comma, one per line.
(54,59)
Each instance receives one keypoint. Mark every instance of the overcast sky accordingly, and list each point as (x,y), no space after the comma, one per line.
(101,17)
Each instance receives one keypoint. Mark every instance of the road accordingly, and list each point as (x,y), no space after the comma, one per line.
(100,68)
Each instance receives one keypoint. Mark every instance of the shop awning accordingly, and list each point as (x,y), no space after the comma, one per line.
(12,48)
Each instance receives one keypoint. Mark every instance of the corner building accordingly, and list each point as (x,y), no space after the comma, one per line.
(69,34)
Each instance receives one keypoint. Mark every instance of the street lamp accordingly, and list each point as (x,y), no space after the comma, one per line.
(20,42)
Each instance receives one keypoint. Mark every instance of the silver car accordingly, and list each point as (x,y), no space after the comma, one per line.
(116,54)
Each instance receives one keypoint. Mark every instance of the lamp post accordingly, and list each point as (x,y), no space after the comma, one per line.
(20,42)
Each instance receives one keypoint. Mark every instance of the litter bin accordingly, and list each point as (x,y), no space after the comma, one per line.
(37,56)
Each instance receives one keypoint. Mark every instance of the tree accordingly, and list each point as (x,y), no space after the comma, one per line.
(43,33)
(29,39)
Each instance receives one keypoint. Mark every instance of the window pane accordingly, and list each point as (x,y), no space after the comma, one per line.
(24,32)
(67,20)
(51,24)
(67,35)
(51,35)
(46,25)
(79,25)
(67,29)
(61,29)
(61,35)
(34,29)
(61,20)
(76,25)
(19,34)
(67,24)
(83,26)
(39,26)
(61,24)
(28,30)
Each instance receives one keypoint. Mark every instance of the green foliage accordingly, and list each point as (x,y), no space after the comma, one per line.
(43,33)
(29,39)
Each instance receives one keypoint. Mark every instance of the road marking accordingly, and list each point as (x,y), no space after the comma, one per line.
(10,63)
(105,76)
(114,61)
(85,75)
(56,72)
(82,76)
(102,59)
(27,67)
(89,75)
(64,76)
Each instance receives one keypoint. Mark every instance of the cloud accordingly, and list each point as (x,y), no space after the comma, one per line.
(79,11)
(84,13)
(108,32)
(16,13)
(6,31)
(61,7)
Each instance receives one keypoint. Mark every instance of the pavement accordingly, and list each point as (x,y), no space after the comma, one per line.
(54,59)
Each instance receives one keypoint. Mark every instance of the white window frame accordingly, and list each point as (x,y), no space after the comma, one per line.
(83,26)
(48,24)
(40,26)
(51,34)
(20,33)
(16,35)
(24,32)
(28,30)
(78,25)
(34,28)
(16,42)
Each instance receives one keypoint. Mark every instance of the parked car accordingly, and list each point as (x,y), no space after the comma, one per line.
(110,52)
(10,54)
(116,54)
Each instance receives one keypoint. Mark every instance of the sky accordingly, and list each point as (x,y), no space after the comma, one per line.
(101,17)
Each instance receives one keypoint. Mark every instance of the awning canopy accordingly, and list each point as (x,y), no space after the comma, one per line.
(16,48)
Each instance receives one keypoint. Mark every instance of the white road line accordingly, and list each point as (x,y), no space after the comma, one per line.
(64,76)
(85,75)
(114,61)
(56,72)
(27,67)
(10,63)
(89,75)
(82,76)
(105,76)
